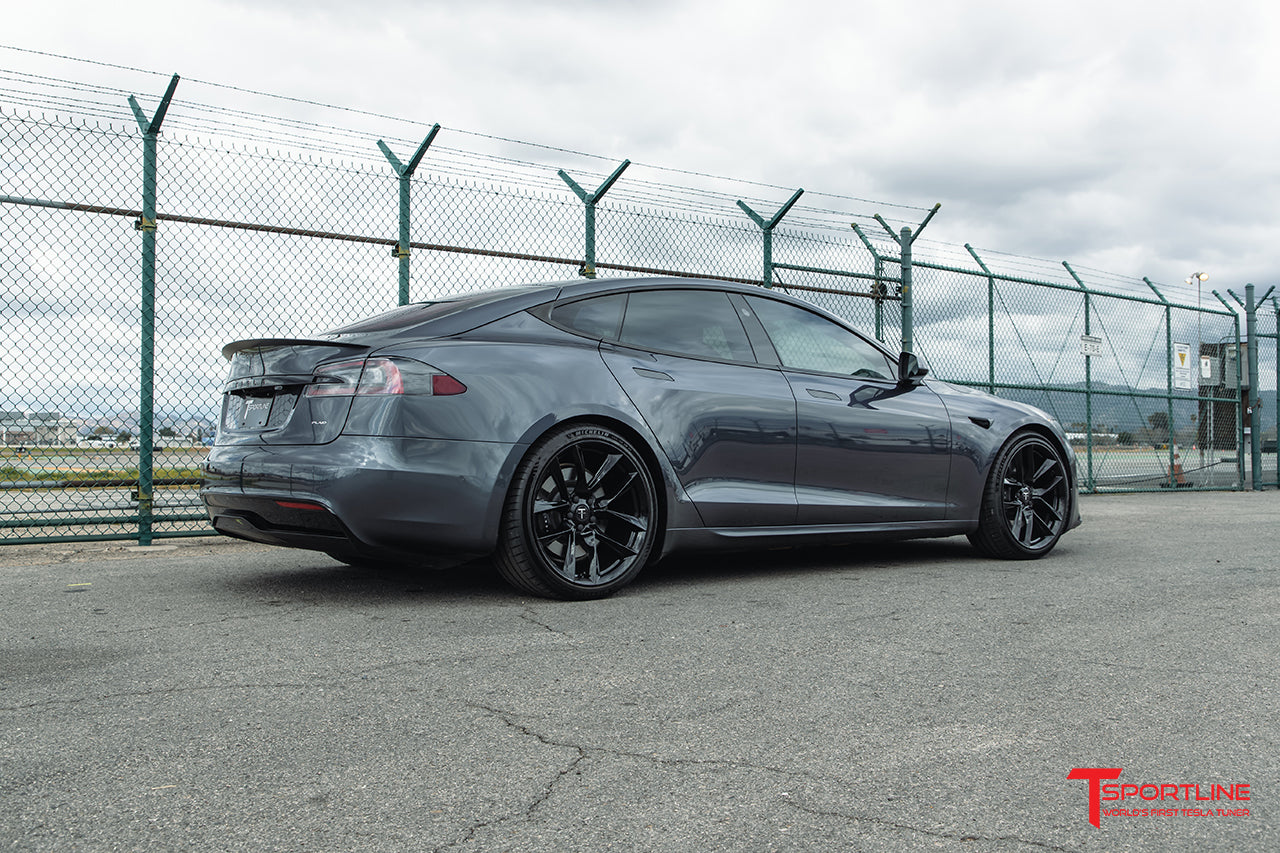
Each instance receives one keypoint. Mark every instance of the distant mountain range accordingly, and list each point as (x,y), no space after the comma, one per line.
(1115,410)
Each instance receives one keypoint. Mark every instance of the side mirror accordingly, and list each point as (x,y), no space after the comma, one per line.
(909,370)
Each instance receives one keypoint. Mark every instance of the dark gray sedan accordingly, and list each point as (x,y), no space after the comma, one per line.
(580,430)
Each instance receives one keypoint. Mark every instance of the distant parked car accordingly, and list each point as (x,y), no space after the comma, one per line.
(580,430)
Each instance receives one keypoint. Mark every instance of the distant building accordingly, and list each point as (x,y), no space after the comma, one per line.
(36,429)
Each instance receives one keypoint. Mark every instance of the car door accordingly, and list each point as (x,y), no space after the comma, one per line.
(726,423)
(869,450)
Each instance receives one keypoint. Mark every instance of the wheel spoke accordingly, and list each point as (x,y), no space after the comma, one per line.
(606,466)
(1048,464)
(618,546)
(1050,507)
(580,464)
(636,522)
(562,488)
(621,490)
(1052,487)
(553,536)
(570,565)
(541,506)
(1018,525)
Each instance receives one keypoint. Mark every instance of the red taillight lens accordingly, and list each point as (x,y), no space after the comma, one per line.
(444,385)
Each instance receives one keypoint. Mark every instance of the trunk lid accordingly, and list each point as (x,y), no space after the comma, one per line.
(264,400)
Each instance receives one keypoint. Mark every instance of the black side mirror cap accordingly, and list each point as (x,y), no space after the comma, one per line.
(909,370)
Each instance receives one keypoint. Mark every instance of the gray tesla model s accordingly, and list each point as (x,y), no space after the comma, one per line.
(579,430)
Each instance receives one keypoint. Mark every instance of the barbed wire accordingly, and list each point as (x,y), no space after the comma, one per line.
(221,124)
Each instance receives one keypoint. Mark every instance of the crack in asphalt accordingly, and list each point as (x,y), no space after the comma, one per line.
(545,794)
(527,615)
(583,752)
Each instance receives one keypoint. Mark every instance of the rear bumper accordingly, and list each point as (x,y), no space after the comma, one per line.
(360,495)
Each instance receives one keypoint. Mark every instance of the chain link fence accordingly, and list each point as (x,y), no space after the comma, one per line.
(111,393)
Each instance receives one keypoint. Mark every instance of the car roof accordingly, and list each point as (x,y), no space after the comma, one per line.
(478,307)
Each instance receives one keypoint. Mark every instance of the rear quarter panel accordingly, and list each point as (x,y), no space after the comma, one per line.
(523,377)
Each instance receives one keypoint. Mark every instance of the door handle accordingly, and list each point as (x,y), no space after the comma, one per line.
(653,374)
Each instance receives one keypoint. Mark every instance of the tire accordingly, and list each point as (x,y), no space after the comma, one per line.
(581,518)
(1026,502)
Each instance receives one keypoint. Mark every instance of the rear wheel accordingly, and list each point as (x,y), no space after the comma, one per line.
(1026,500)
(581,518)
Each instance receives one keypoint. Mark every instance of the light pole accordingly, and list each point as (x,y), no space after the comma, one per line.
(1200,278)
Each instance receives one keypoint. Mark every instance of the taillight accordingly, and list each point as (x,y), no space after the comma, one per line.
(381,377)
(339,379)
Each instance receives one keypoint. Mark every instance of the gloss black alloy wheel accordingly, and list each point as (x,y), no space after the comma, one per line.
(1027,500)
(582,516)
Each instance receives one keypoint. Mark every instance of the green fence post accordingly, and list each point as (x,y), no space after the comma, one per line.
(1235,320)
(147,225)
(991,320)
(908,305)
(768,227)
(1255,398)
(404,172)
(589,199)
(1088,385)
(878,290)
(1168,372)
(905,240)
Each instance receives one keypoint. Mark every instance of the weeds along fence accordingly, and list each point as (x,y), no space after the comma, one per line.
(134,243)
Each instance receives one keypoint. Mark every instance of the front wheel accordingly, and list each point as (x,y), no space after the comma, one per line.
(1026,500)
(581,518)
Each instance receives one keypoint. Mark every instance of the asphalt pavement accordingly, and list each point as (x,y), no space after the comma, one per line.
(212,695)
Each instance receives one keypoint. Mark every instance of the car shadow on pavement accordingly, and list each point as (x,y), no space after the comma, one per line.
(715,567)
(320,578)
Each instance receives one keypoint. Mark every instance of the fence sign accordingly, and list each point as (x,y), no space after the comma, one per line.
(1090,345)
(1182,367)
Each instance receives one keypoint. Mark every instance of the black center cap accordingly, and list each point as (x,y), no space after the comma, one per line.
(581,514)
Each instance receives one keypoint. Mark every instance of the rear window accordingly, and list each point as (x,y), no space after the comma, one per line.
(407,316)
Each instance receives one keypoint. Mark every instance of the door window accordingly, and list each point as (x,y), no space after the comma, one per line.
(699,323)
(808,341)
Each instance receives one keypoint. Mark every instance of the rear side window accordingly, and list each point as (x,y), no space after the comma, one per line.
(700,323)
(600,317)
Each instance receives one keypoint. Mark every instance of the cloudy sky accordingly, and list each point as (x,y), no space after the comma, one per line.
(1139,138)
